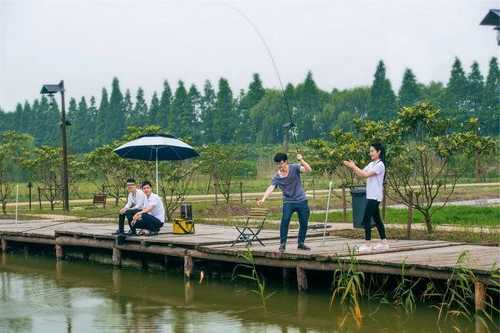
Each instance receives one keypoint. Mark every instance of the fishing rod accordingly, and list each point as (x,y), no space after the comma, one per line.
(291,126)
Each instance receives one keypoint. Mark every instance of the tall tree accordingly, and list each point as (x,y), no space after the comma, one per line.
(456,91)
(194,100)
(180,123)
(165,106)
(128,107)
(116,119)
(154,110)
(309,106)
(383,99)
(92,120)
(409,93)
(490,109)
(207,108)
(102,118)
(255,93)
(224,119)
(475,86)
(140,114)
(80,140)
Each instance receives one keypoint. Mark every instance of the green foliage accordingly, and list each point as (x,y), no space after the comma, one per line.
(222,164)
(14,150)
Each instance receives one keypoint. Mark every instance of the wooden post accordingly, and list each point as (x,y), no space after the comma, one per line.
(4,245)
(59,252)
(29,194)
(39,198)
(410,216)
(117,257)
(215,191)
(344,205)
(188,266)
(301,279)
(479,295)
(241,193)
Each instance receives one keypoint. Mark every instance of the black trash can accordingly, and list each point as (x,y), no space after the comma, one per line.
(358,196)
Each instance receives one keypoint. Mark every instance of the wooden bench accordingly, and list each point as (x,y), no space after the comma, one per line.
(100,199)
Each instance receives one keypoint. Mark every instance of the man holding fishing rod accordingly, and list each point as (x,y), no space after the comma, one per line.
(288,180)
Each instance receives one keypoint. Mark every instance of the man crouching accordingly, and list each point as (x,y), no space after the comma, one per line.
(135,203)
(150,219)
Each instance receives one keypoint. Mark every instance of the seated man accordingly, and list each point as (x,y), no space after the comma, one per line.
(152,216)
(135,203)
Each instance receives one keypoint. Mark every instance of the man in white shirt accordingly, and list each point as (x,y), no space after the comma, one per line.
(135,203)
(152,216)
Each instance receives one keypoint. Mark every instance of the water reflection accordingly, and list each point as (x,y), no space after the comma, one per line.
(81,297)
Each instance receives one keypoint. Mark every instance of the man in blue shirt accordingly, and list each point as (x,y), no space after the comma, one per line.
(294,198)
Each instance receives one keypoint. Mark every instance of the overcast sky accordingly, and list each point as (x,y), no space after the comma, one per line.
(87,42)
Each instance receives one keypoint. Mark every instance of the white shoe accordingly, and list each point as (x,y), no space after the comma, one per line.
(382,246)
(364,248)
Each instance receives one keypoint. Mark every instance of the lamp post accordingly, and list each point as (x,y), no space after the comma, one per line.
(50,89)
(493,19)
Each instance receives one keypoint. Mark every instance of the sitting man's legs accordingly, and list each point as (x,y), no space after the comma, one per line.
(148,222)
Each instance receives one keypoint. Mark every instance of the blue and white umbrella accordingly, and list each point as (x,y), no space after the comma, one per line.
(156,147)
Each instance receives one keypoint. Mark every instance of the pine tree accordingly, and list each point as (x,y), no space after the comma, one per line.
(73,137)
(475,86)
(154,110)
(140,114)
(116,115)
(92,120)
(490,106)
(456,92)
(409,93)
(207,109)
(80,140)
(194,100)
(181,116)
(165,106)
(53,119)
(224,119)
(128,108)
(308,107)
(246,102)
(382,97)
(101,119)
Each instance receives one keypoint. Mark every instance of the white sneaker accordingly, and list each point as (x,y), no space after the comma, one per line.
(364,248)
(382,246)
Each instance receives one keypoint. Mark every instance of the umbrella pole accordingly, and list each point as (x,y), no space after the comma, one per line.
(157,192)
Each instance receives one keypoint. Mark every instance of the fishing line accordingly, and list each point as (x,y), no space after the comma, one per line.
(291,125)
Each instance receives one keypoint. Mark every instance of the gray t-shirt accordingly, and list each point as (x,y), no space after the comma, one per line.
(291,186)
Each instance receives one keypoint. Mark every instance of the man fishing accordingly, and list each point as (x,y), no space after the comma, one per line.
(294,198)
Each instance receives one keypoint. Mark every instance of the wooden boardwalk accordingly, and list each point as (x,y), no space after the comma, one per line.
(430,259)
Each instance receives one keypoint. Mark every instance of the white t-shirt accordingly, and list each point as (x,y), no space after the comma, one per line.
(375,183)
(158,211)
(135,200)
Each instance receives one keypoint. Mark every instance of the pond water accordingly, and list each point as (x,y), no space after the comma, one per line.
(37,294)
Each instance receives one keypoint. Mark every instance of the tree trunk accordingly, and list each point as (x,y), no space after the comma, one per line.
(478,168)
(428,222)
(410,216)
(4,207)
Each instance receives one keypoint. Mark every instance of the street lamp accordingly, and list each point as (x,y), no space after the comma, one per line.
(493,19)
(51,89)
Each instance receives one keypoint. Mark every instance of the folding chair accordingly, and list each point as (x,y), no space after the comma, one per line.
(249,231)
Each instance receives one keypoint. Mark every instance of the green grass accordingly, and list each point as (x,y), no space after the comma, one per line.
(456,215)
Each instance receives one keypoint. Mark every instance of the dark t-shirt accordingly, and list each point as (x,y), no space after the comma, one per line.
(291,186)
